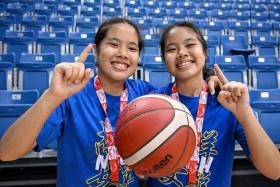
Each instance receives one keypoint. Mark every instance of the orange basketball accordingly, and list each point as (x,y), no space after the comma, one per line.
(155,135)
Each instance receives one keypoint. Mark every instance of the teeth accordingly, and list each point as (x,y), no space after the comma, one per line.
(120,65)
(184,64)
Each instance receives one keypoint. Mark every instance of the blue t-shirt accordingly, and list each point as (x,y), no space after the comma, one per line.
(78,124)
(220,130)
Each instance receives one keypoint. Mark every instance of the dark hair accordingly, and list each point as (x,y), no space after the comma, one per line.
(106,25)
(206,72)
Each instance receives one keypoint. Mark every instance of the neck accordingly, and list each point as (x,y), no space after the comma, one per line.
(110,86)
(189,87)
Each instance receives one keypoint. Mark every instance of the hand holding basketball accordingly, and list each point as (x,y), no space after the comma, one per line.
(69,78)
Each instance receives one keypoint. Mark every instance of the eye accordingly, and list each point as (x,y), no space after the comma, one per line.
(190,45)
(113,44)
(170,49)
(133,49)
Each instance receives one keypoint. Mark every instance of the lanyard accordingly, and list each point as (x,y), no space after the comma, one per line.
(193,163)
(114,157)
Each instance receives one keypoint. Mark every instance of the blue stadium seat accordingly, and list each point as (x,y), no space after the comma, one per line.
(157,13)
(259,16)
(156,74)
(265,45)
(145,25)
(92,3)
(213,47)
(238,15)
(87,24)
(78,41)
(72,2)
(111,12)
(149,4)
(91,11)
(218,14)
(17,10)
(52,42)
(262,28)
(45,9)
(240,28)
(161,23)
(67,10)
(224,6)
(34,23)
(235,45)
(7,64)
(197,14)
(18,42)
(151,38)
(136,12)
(150,58)
(151,49)
(234,67)
(13,104)
(265,72)
(35,71)
(266,104)
(6,23)
(61,23)
(219,26)
(133,3)
(177,13)
(89,63)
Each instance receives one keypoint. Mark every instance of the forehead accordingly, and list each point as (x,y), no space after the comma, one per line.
(122,31)
(181,33)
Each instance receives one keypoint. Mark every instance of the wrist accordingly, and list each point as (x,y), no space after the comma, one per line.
(243,115)
(52,98)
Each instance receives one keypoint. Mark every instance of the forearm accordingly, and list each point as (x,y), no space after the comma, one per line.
(264,154)
(21,136)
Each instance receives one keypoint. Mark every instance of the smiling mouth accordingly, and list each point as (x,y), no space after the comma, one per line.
(120,66)
(185,64)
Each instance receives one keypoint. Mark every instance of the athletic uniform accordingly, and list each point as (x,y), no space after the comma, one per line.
(78,124)
(219,132)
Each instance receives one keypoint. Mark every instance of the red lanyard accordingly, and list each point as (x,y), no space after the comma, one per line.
(114,157)
(193,163)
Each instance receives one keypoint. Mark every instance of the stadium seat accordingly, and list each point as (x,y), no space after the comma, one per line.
(35,71)
(234,67)
(7,64)
(45,9)
(262,28)
(87,24)
(67,10)
(78,41)
(240,28)
(265,45)
(156,74)
(235,45)
(89,11)
(52,42)
(6,23)
(266,104)
(34,23)
(238,15)
(89,63)
(17,10)
(213,47)
(264,72)
(61,23)
(18,42)
(13,104)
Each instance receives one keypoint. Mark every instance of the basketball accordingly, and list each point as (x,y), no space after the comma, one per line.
(155,135)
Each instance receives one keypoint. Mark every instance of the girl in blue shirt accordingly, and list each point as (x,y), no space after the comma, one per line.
(227,117)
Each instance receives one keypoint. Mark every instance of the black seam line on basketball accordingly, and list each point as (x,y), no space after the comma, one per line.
(184,149)
(161,145)
(139,114)
(149,140)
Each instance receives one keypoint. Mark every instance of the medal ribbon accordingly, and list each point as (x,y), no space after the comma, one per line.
(114,157)
(193,163)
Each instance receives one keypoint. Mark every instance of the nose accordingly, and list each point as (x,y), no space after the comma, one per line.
(183,52)
(122,52)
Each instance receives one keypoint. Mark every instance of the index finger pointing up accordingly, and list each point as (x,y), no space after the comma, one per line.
(83,56)
(220,74)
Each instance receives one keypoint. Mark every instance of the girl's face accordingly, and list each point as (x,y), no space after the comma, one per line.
(118,53)
(184,54)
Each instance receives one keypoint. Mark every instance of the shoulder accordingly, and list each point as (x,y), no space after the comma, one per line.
(163,90)
(138,87)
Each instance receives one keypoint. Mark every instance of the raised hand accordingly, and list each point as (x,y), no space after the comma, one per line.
(234,95)
(70,78)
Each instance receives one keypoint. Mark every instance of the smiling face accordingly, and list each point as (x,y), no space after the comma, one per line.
(118,53)
(184,54)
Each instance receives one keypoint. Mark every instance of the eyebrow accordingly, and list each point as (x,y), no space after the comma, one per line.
(186,40)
